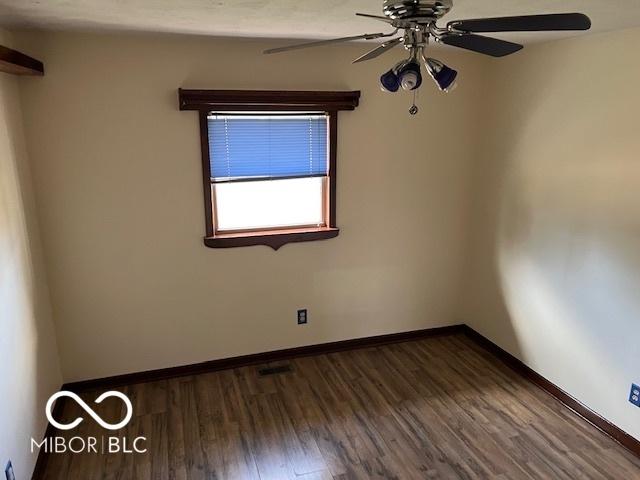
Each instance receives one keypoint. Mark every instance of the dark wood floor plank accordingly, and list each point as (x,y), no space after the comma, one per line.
(267,443)
(195,463)
(301,450)
(435,408)
(175,432)
(116,467)
(210,418)
(237,457)
(157,443)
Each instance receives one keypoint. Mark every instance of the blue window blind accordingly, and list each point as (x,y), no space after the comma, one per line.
(267,146)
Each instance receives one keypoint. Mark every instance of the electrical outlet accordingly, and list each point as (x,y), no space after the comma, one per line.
(634,395)
(302,317)
(8,471)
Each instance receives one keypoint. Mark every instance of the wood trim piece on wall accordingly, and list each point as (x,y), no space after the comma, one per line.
(206,101)
(206,175)
(264,100)
(333,167)
(274,239)
(616,433)
(17,63)
(598,421)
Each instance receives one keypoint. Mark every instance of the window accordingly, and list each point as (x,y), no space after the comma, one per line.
(268,171)
(269,164)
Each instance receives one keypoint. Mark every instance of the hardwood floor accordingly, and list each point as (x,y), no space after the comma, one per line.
(438,408)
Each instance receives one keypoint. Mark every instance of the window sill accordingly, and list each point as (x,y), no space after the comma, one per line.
(271,238)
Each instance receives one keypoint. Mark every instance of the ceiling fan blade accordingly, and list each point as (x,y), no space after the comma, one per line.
(376,52)
(527,23)
(319,43)
(375,17)
(487,45)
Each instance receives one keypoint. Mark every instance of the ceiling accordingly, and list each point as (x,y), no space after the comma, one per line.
(284,18)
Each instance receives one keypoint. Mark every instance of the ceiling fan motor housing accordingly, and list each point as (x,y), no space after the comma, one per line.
(429,10)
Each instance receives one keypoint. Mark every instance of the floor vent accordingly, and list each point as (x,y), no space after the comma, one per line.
(263,372)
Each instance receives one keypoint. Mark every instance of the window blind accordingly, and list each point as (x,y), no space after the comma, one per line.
(267,146)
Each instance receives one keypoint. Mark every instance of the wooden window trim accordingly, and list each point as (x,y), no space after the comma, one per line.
(206,101)
(266,100)
(272,238)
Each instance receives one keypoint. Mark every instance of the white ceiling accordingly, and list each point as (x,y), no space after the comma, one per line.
(284,18)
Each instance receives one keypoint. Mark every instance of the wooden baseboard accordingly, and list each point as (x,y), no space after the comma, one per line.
(619,435)
(518,366)
(257,358)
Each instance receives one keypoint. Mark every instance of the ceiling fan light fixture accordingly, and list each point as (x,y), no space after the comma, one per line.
(389,81)
(410,76)
(444,76)
(415,24)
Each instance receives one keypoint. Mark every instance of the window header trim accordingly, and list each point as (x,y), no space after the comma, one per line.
(266,100)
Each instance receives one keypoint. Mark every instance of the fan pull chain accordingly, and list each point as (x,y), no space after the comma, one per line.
(414,108)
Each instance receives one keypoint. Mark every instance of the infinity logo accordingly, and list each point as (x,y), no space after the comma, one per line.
(88,409)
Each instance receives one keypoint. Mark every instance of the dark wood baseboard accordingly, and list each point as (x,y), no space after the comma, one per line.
(257,358)
(518,366)
(619,435)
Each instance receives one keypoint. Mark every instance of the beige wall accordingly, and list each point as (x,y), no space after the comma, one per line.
(556,274)
(118,180)
(28,360)
(543,144)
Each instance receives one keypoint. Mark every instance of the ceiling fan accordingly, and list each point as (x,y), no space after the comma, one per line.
(415,23)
